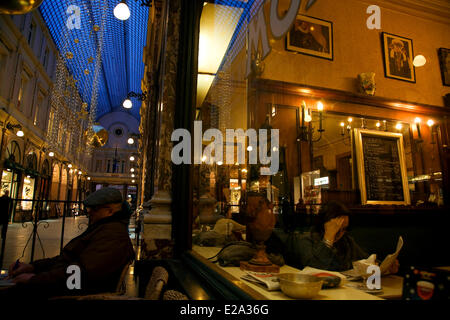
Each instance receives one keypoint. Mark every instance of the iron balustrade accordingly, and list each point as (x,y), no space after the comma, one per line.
(36,217)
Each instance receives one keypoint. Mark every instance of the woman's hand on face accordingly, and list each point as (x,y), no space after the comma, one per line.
(394,267)
(332,227)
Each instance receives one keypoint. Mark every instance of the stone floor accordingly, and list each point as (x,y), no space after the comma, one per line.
(19,242)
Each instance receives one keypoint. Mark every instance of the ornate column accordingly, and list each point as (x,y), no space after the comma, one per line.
(158,220)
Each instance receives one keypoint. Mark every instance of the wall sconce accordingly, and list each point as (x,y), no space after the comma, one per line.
(127,104)
(11,127)
(306,130)
(417,121)
(342,124)
(430,123)
(399,126)
(378,125)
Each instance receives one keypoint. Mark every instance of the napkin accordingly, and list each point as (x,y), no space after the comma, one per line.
(314,271)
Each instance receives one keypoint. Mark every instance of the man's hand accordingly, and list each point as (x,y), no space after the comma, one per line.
(332,227)
(23,278)
(22,268)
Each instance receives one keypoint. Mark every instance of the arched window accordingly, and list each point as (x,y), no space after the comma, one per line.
(46,168)
(31,161)
(13,152)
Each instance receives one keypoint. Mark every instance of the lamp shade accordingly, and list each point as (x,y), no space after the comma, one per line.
(419,61)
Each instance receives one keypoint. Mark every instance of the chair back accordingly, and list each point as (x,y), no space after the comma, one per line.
(121,285)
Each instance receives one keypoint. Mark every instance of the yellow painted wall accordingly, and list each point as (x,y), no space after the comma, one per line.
(358,49)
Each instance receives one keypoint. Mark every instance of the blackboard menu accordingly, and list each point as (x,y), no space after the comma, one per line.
(382,168)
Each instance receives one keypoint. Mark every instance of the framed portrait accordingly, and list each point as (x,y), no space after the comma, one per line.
(311,36)
(381,164)
(398,57)
(444,61)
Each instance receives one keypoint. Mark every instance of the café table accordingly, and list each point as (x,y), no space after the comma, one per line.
(391,285)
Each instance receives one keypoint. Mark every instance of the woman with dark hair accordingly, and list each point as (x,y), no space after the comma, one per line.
(328,246)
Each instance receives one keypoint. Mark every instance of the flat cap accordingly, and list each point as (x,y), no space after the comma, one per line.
(103,196)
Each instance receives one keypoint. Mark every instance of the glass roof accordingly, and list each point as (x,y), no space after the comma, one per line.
(121,68)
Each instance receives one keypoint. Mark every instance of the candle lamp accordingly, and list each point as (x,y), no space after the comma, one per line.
(306,129)
(320,108)
(417,122)
(342,124)
(430,123)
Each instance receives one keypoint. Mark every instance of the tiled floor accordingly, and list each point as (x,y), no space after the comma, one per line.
(49,235)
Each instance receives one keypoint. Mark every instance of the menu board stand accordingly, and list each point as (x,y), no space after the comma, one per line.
(381,167)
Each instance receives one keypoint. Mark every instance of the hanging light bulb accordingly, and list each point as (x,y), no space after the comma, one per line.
(131,158)
(51,154)
(130,141)
(127,104)
(121,11)
(20,133)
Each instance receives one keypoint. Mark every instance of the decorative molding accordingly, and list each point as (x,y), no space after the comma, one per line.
(436,10)
(350,97)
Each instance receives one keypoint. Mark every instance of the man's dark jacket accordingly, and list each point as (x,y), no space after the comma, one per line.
(101,252)
(5,206)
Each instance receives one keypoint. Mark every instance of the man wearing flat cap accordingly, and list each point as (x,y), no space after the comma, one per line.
(101,253)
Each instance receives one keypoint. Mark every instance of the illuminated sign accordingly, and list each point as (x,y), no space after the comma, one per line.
(321,181)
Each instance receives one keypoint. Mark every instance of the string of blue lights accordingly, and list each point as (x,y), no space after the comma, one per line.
(122,54)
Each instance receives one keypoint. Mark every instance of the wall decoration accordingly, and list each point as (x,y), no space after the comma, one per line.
(398,57)
(444,61)
(367,83)
(311,36)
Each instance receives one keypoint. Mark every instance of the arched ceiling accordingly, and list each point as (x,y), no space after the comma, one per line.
(122,66)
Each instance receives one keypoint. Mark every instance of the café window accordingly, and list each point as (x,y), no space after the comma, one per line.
(273,119)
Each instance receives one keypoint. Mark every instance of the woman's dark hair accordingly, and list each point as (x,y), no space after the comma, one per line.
(328,211)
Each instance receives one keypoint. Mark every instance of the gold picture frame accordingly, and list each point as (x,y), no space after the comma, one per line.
(381,167)
(398,55)
(311,36)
